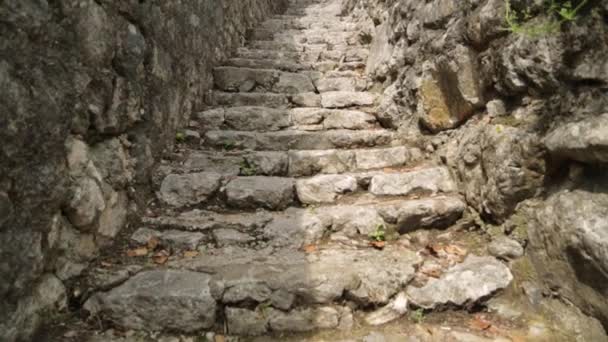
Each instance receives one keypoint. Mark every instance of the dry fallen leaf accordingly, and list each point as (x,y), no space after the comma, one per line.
(153,243)
(480,323)
(137,252)
(434,272)
(160,257)
(191,254)
(378,244)
(456,250)
(106,264)
(310,248)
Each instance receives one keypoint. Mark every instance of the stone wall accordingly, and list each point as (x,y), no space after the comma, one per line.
(520,120)
(92,92)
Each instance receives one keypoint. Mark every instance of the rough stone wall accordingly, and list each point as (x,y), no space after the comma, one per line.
(520,120)
(91,93)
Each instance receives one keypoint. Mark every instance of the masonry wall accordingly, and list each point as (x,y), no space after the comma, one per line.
(91,93)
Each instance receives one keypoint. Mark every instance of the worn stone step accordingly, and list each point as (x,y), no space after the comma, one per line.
(335,37)
(293,163)
(300,140)
(261,80)
(268,64)
(344,99)
(285,45)
(349,84)
(272,119)
(345,55)
(283,56)
(425,181)
(296,227)
(329,188)
(219,98)
(260,292)
(285,23)
(308,163)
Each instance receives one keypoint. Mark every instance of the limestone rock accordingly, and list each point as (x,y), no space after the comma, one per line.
(324,188)
(267,192)
(245,322)
(437,212)
(585,141)
(86,204)
(170,238)
(189,189)
(505,248)
(568,246)
(463,285)
(497,167)
(393,310)
(342,99)
(421,182)
(159,300)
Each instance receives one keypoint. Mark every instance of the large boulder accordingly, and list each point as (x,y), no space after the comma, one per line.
(497,167)
(464,284)
(569,247)
(585,141)
(159,300)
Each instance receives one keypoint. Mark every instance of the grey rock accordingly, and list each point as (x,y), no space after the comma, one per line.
(324,188)
(113,162)
(585,141)
(308,163)
(505,248)
(114,218)
(464,284)
(211,119)
(342,99)
(159,300)
(437,212)
(6,208)
(390,312)
(497,167)
(218,98)
(380,158)
(170,238)
(424,181)
(267,192)
(268,163)
(245,322)
(496,108)
(256,118)
(225,237)
(86,204)
(304,320)
(306,99)
(568,246)
(189,189)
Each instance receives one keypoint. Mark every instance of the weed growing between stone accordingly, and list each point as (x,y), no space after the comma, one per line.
(556,13)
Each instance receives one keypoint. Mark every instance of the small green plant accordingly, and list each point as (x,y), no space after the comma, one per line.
(417,316)
(379,234)
(180,137)
(264,307)
(248,168)
(229,145)
(558,12)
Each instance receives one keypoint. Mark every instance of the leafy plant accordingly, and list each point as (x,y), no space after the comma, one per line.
(248,168)
(558,12)
(180,137)
(417,316)
(379,234)
(229,145)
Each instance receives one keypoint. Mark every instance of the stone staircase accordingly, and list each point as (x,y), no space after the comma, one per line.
(267,218)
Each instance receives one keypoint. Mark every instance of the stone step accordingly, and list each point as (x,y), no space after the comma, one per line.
(425,181)
(345,84)
(268,64)
(258,292)
(300,140)
(294,163)
(219,98)
(272,119)
(280,23)
(297,227)
(261,80)
(338,37)
(344,99)
(285,45)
